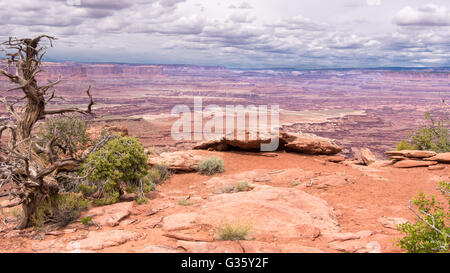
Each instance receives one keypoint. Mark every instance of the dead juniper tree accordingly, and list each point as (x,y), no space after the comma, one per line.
(27,165)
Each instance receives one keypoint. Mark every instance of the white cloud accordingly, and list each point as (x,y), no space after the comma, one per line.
(429,15)
(373,2)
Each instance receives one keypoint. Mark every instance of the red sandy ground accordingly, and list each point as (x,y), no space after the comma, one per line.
(374,193)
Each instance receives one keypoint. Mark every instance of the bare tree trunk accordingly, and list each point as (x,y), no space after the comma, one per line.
(32,175)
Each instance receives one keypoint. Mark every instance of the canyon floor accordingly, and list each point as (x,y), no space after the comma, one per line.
(296,203)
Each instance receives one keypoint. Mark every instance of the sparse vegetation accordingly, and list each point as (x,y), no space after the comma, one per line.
(185,202)
(86,220)
(211,165)
(159,173)
(233,231)
(430,234)
(238,187)
(242,186)
(59,210)
(434,136)
(141,200)
(69,133)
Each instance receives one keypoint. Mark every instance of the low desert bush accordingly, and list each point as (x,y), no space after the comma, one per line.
(211,165)
(430,233)
(434,136)
(59,210)
(159,173)
(120,160)
(233,231)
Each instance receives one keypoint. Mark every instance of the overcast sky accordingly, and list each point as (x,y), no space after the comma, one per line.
(236,33)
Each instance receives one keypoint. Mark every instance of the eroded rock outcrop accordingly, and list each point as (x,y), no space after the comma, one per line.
(181,161)
(418,158)
(299,143)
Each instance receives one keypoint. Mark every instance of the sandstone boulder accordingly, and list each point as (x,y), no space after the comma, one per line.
(367,156)
(414,163)
(299,143)
(181,161)
(441,158)
(411,153)
(308,144)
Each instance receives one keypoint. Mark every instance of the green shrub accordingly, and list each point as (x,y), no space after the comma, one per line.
(430,234)
(233,231)
(120,160)
(434,137)
(59,210)
(86,220)
(71,133)
(404,145)
(211,165)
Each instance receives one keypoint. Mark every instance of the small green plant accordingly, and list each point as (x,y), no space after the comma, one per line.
(86,220)
(242,186)
(404,145)
(185,202)
(211,165)
(59,210)
(233,231)
(296,183)
(430,233)
(141,200)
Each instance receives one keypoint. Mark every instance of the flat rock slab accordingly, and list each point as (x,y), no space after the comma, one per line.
(414,163)
(335,158)
(98,240)
(436,167)
(271,212)
(441,158)
(210,247)
(160,249)
(356,246)
(265,247)
(411,153)
(181,161)
(110,215)
(179,221)
(391,222)
(299,143)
